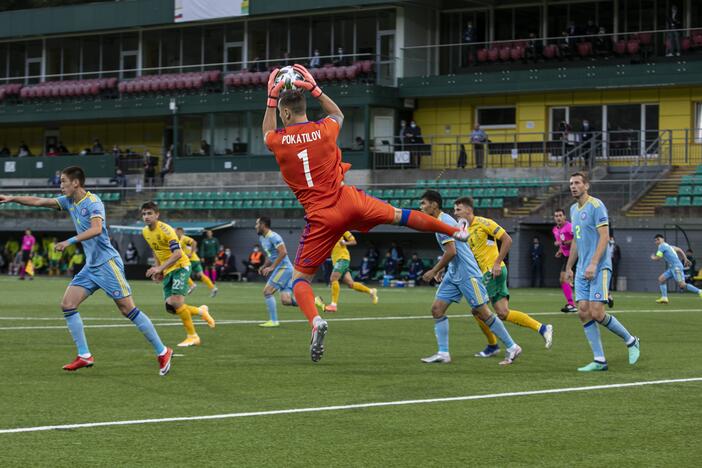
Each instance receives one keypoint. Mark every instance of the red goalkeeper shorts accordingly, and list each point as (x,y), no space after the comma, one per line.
(354,211)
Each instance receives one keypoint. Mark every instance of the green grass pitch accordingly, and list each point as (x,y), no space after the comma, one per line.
(243,368)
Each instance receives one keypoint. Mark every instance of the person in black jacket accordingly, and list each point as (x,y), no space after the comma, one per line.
(537,263)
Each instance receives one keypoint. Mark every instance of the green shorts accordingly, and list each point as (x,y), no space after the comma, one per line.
(496,287)
(175,283)
(341,266)
(195,266)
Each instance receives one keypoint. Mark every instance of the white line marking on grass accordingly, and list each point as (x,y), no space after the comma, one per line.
(172,323)
(549,391)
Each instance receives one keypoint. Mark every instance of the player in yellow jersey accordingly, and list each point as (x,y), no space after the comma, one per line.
(341,258)
(483,234)
(173,269)
(189,247)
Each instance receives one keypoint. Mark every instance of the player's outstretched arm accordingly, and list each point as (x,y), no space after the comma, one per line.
(269,118)
(31,201)
(328,105)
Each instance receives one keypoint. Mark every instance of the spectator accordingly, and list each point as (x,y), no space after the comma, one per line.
(54,258)
(219,260)
(119,179)
(16,265)
(373,257)
(39,263)
(462,157)
(55,180)
(167,167)
(255,261)
(415,269)
(52,151)
(365,272)
(414,134)
(228,264)
(403,134)
(572,31)
(672,43)
(537,263)
(340,59)
(534,48)
(23,150)
(315,61)
(603,42)
(568,139)
(586,136)
(390,265)
(258,66)
(75,264)
(469,37)
(116,151)
(616,253)
(205,148)
(591,29)
(149,169)
(97,147)
(62,148)
(564,45)
(131,255)
(28,242)
(479,139)
(397,255)
(5,152)
(359,144)
(210,248)
(691,269)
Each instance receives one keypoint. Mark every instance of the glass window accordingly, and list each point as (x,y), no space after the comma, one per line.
(53,59)
(257,44)
(235,32)
(170,50)
(605,16)
(214,47)
(150,52)
(624,125)
(91,57)
(386,20)
(592,114)
(110,55)
(696,15)
(365,36)
(496,116)
(557,19)
(34,49)
(130,42)
(71,58)
(343,36)
(504,24)
(698,123)
(192,49)
(17,61)
(3,61)
(321,37)
(230,133)
(299,37)
(278,41)
(527,20)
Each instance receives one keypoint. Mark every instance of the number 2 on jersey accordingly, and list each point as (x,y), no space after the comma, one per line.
(577,232)
(306,166)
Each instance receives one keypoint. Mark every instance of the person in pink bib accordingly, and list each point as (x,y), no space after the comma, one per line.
(28,242)
(563,235)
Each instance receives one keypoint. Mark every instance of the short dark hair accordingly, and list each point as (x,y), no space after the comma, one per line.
(180,228)
(559,210)
(294,100)
(582,175)
(265,220)
(467,201)
(75,173)
(149,205)
(659,236)
(433,196)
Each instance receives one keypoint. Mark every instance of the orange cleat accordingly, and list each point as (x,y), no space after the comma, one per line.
(78,363)
(164,362)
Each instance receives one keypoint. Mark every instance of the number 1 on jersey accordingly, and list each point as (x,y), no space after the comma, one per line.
(306,166)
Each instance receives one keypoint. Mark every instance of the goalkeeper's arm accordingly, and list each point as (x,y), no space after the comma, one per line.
(331,109)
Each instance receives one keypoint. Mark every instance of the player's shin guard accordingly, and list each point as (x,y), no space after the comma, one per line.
(441,330)
(424,223)
(207,281)
(75,326)
(498,328)
(305,298)
(272,308)
(143,323)
(335,291)
(490,336)
(613,325)
(360,287)
(592,333)
(524,320)
(185,314)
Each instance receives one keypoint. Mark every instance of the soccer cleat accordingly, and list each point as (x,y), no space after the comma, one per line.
(317,341)
(269,324)
(634,351)
(374,295)
(610,301)
(662,300)
(569,309)
(192,340)
(319,302)
(78,363)
(511,355)
(214,291)
(205,314)
(330,308)
(489,351)
(191,289)
(548,336)
(164,362)
(594,366)
(438,358)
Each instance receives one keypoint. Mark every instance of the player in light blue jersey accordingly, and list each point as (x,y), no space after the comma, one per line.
(103,266)
(591,236)
(462,278)
(278,268)
(674,268)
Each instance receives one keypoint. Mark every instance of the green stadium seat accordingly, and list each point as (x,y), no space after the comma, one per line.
(442,183)
(258,204)
(277,204)
(178,204)
(248,195)
(422,183)
(684,201)
(698,170)
(219,204)
(406,203)
(501,192)
(159,196)
(454,182)
(697,201)
(248,205)
(228,204)
(687,180)
(671,201)
(490,192)
(268,204)
(400,193)
(287,204)
(234,195)
(697,190)
(238,204)
(685,190)
(478,193)
(498,203)
(512,192)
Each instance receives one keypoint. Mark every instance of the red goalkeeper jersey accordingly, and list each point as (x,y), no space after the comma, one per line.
(310,161)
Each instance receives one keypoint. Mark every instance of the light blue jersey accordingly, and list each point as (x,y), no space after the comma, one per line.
(586,220)
(670,256)
(281,277)
(98,250)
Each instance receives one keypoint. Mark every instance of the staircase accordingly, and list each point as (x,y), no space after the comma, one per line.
(533,204)
(668,187)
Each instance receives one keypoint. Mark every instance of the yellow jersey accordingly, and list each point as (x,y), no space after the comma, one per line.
(483,233)
(340,251)
(187,243)
(164,241)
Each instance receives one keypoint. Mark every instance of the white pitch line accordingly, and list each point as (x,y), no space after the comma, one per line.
(549,391)
(341,319)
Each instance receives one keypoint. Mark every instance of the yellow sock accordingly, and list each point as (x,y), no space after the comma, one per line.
(520,318)
(491,338)
(191,283)
(335,291)
(185,314)
(207,281)
(360,287)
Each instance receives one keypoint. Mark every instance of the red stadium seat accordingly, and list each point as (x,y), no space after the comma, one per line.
(493,54)
(482,55)
(352,72)
(685,44)
(122,87)
(367,66)
(697,39)
(620,47)
(517,53)
(340,73)
(550,51)
(246,78)
(505,53)
(632,46)
(645,38)
(236,79)
(584,49)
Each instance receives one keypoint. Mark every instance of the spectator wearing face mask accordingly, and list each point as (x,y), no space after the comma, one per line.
(315,61)
(255,261)
(364,273)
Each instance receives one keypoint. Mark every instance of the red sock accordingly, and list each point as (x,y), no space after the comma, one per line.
(423,222)
(304,296)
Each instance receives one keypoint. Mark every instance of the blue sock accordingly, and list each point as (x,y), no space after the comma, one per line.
(75,326)
(664,289)
(498,328)
(617,328)
(272,308)
(143,323)
(542,329)
(692,289)
(441,330)
(592,332)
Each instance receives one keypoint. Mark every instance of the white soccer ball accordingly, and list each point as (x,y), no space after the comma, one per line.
(288,75)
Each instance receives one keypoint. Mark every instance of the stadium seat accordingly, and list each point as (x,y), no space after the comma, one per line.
(697,201)
(685,190)
(671,201)
(684,201)
(697,190)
